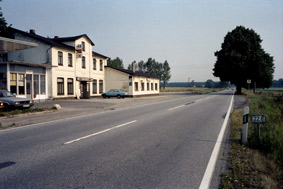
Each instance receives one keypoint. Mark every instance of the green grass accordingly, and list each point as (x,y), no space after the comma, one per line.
(259,164)
(189,89)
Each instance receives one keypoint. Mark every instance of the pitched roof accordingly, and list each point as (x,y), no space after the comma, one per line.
(62,39)
(101,55)
(43,39)
(130,72)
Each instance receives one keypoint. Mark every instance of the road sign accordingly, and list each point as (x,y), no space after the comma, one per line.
(258,119)
(249,81)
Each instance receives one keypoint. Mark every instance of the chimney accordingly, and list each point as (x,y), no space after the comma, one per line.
(56,37)
(134,64)
(32,31)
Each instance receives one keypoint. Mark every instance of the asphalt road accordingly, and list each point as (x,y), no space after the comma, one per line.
(161,145)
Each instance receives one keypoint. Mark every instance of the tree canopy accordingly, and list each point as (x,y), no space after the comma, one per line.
(241,58)
(116,63)
(4,27)
(152,67)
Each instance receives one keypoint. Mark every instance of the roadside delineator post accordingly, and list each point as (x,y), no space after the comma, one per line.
(245,125)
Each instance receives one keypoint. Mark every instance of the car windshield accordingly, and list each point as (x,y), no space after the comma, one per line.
(6,94)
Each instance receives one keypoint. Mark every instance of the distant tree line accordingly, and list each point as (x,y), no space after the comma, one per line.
(151,66)
(277,83)
(208,84)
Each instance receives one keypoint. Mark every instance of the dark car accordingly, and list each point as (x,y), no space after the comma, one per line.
(114,93)
(11,101)
(1,104)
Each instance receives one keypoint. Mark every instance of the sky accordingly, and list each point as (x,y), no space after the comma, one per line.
(186,33)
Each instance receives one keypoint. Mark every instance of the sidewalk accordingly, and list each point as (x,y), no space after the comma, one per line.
(74,107)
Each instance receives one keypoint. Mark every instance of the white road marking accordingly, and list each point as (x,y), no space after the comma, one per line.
(100,132)
(176,107)
(205,183)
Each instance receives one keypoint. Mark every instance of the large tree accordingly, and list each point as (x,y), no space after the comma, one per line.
(116,63)
(241,58)
(166,75)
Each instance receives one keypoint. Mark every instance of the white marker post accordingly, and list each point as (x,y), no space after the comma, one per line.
(245,125)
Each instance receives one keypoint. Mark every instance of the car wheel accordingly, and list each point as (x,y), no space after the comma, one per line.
(118,96)
(104,96)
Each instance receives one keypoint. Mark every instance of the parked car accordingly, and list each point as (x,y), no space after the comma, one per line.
(10,101)
(115,93)
(1,104)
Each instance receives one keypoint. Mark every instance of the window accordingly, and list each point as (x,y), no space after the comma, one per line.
(21,84)
(29,83)
(70,86)
(83,62)
(60,58)
(156,86)
(36,84)
(13,83)
(147,86)
(94,87)
(136,86)
(60,86)
(42,84)
(3,81)
(152,86)
(142,86)
(83,46)
(100,86)
(70,60)
(94,64)
(101,65)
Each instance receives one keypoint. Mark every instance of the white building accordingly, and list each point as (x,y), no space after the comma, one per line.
(57,68)
(66,67)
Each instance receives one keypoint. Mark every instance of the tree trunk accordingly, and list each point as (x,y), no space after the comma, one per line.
(238,89)
(254,87)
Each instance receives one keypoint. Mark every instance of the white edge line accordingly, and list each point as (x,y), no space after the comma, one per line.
(206,180)
(100,132)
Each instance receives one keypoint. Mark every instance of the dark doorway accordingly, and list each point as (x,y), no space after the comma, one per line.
(84,88)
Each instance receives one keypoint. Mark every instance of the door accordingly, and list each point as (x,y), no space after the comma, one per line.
(29,86)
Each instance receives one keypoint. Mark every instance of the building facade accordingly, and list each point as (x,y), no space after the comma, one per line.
(57,68)
(135,83)
(66,67)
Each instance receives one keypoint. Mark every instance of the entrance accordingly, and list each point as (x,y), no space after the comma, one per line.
(29,86)
(84,88)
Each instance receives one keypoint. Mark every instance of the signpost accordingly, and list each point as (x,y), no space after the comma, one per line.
(258,119)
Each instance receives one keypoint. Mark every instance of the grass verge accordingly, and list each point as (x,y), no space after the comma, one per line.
(12,113)
(259,164)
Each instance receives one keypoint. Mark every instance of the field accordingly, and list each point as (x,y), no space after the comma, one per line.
(189,89)
(259,164)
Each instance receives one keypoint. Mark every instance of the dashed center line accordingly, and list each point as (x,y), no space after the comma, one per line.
(177,107)
(100,132)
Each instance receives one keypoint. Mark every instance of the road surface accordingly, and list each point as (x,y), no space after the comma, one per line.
(162,145)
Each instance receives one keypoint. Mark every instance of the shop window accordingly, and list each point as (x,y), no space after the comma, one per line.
(136,86)
(94,64)
(70,60)
(94,86)
(156,86)
(3,81)
(21,84)
(100,86)
(101,65)
(42,84)
(36,84)
(70,86)
(29,83)
(83,62)
(147,86)
(13,83)
(60,58)
(60,86)
(151,86)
